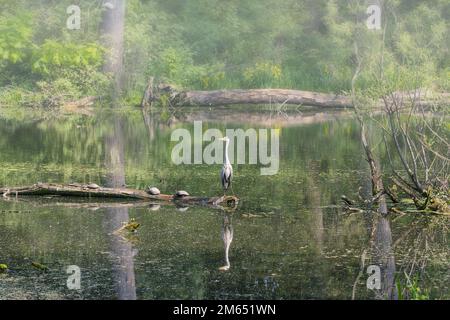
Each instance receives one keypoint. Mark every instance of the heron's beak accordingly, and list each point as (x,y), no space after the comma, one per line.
(221,139)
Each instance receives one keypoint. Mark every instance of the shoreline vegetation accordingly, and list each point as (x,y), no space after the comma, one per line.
(218,46)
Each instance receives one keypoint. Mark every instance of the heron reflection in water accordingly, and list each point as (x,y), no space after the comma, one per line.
(227,237)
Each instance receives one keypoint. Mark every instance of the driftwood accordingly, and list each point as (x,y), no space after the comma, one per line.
(178,97)
(82,190)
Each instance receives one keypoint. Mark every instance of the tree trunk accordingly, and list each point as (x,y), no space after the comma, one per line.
(112,29)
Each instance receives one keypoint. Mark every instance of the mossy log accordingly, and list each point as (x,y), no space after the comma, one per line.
(84,190)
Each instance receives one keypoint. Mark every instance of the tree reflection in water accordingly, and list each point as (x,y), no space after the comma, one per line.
(383,256)
(122,251)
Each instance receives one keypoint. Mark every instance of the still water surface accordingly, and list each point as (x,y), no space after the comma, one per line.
(290,238)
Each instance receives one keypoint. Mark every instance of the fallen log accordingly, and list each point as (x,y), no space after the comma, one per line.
(83,190)
(259,96)
(176,97)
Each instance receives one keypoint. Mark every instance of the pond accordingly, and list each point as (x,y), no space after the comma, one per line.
(290,237)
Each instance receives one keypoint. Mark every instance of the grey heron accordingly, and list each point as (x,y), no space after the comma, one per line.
(227,170)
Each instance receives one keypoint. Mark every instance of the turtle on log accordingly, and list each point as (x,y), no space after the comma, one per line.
(181,193)
(153,191)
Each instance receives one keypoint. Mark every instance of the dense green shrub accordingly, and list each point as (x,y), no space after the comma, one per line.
(262,74)
(15,37)
(53,57)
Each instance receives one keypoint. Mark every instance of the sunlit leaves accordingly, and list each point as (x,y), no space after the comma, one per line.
(15,37)
(262,74)
(56,55)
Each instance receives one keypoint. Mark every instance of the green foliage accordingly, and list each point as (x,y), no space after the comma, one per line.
(39,69)
(411,290)
(213,78)
(71,85)
(54,57)
(444,80)
(262,74)
(3,268)
(88,80)
(15,37)
(39,266)
(310,42)
(45,95)
(177,66)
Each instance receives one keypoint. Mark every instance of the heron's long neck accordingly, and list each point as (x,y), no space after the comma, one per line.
(226,160)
